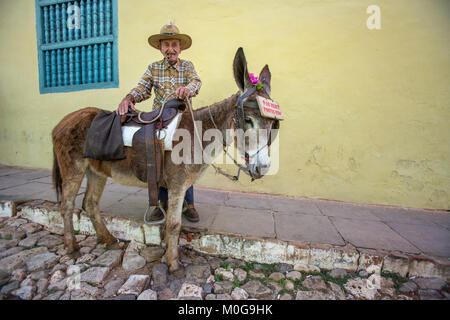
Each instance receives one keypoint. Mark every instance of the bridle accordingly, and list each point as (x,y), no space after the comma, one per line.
(239,120)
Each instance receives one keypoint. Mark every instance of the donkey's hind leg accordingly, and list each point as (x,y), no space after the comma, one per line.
(69,192)
(95,185)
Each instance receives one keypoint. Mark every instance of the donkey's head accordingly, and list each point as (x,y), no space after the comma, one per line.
(253,130)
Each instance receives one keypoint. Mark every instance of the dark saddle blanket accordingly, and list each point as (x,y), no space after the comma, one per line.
(104,141)
(104,138)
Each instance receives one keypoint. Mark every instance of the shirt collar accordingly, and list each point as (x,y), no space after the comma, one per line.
(168,65)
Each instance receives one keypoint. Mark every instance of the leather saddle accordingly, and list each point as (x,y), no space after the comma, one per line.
(149,168)
(170,110)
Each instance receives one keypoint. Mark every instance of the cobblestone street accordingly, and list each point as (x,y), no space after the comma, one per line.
(35,266)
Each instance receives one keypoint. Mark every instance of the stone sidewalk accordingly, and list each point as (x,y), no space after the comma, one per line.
(411,231)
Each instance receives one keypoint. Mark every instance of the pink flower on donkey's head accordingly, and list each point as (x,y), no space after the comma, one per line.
(253,78)
(255,81)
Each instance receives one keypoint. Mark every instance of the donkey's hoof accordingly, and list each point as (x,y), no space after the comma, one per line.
(73,248)
(75,254)
(175,267)
(70,244)
(106,239)
(180,273)
(115,246)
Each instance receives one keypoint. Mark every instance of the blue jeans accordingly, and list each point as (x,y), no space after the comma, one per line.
(164,196)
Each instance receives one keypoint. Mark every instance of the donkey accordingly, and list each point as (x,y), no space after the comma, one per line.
(69,166)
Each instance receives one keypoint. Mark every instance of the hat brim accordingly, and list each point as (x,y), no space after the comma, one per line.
(185,40)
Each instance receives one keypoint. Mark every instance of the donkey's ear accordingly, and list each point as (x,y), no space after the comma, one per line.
(240,71)
(265,77)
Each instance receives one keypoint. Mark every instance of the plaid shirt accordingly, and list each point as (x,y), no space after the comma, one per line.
(166,79)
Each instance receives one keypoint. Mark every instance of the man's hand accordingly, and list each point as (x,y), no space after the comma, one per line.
(182,92)
(123,106)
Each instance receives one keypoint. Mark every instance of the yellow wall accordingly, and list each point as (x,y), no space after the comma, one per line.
(367,112)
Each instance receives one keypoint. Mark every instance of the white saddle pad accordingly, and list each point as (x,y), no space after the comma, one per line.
(166,133)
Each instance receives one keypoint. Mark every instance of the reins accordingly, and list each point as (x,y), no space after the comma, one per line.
(159,114)
(218,170)
(238,113)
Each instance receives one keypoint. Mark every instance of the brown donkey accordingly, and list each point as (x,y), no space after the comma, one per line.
(70,167)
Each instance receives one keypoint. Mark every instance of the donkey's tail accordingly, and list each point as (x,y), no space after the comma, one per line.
(56,176)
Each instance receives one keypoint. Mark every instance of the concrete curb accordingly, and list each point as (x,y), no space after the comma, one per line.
(316,257)
(47,214)
(304,256)
(7,209)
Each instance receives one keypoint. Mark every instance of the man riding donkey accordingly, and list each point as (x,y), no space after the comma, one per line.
(170,76)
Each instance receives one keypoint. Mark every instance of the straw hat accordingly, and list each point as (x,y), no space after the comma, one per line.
(170,31)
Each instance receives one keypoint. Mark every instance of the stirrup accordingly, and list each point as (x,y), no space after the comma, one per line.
(158,221)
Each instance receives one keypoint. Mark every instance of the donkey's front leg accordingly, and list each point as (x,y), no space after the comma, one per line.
(173,227)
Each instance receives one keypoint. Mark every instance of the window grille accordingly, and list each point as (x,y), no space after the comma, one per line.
(77,45)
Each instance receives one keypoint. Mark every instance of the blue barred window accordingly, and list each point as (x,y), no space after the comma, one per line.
(77,45)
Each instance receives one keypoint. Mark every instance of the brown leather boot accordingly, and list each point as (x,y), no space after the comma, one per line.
(191,214)
(157,214)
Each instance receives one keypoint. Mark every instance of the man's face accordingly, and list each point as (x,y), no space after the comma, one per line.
(170,49)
